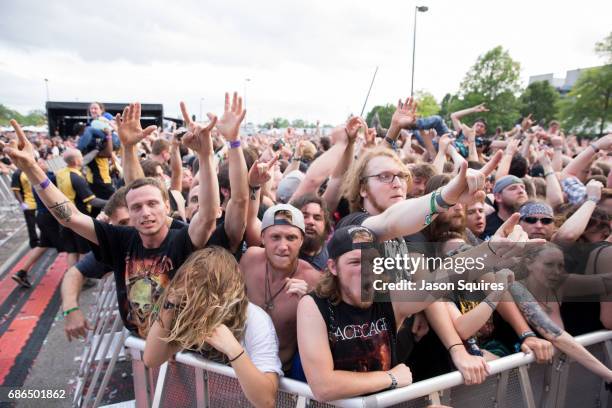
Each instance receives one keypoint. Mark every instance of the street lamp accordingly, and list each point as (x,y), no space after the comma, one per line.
(47,87)
(422,9)
(246,82)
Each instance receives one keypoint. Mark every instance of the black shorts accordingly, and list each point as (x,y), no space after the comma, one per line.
(72,242)
(49,231)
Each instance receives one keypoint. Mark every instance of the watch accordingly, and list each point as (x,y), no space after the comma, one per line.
(393,381)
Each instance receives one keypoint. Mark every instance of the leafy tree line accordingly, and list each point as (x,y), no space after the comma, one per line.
(35,117)
(495,81)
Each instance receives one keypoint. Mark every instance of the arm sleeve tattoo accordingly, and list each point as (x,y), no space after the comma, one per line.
(533,311)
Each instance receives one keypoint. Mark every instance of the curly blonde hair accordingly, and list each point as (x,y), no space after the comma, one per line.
(354,181)
(209,290)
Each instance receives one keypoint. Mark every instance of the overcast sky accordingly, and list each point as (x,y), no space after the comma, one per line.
(310,60)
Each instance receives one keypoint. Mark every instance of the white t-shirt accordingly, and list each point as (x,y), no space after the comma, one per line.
(260,341)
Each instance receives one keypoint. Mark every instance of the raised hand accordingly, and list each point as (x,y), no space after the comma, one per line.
(443,143)
(405,114)
(468,186)
(370,137)
(21,153)
(510,239)
(504,277)
(233,115)
(260,174)
(469,133)
(352,128)
(557,142)
(224,341)
(198,136)
(527,122)
(593,190)
(480,108)
(128,125)
(544,159)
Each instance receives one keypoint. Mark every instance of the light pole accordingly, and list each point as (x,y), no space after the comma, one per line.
(201,115)
(246,82)
(422,9)
(47,87)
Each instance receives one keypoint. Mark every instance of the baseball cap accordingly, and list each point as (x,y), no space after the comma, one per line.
(351,237)
(288,185)
(296,217)
(505,182)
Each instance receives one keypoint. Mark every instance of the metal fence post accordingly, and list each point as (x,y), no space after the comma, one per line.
(526,390)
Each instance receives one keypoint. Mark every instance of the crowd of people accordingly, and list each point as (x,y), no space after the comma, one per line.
(249,249)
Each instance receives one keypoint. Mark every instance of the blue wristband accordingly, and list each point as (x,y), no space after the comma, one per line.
(234,144)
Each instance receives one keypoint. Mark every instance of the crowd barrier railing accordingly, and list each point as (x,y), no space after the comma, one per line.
(513,382)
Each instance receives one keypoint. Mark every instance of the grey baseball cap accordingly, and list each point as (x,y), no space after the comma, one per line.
(296,217)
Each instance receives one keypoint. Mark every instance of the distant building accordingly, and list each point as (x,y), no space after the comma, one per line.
(562,85)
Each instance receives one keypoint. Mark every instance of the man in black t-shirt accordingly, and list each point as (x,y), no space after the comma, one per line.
(145,256)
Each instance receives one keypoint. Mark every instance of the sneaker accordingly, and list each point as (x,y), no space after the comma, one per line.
(21,277)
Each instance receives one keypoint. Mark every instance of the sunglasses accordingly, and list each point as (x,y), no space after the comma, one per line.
(533,220)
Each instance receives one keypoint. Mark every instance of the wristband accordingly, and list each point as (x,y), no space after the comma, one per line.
(234,144)
(391,142)
(440,201)
(43,185)
(490,303)
(526,334)
(432,209)
(393,381)
(456,344)
(237,357)
(67,312)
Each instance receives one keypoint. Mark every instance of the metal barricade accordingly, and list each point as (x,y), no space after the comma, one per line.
(103,346)
(192,381)
(11,216)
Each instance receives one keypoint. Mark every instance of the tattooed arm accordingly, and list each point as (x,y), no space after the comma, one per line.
(562,340)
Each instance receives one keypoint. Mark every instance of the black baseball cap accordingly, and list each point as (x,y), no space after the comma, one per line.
(348,238)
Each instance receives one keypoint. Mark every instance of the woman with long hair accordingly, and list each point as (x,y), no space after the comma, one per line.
(205,309)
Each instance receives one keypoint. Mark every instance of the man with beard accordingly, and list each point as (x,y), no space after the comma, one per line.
(318,225)
(509,192)
(276,278)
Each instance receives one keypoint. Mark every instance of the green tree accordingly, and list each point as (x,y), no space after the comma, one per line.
(278,123)
(427,105)
(604,48)
(35,117)
(540,99)
(298,123)
(444,106)
(494,81)
(384,113)
(586,108)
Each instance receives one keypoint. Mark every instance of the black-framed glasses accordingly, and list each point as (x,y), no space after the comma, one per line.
(533,220)
(388,177)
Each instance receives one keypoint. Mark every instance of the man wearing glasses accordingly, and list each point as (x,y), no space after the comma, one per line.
(537,219)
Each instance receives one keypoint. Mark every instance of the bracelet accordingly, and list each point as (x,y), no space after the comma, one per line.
(432,209)
(391,142)
(67,312)
(393,381)
(237,357)
(490,303)
(440,201)
(234,144)
(456,344)
(490,248)
(43,185)
(525,335)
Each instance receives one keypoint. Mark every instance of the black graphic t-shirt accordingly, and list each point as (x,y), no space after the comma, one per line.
(360,339)
(141,274)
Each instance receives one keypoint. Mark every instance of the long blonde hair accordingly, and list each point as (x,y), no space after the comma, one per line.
(354,180)
(209,290)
